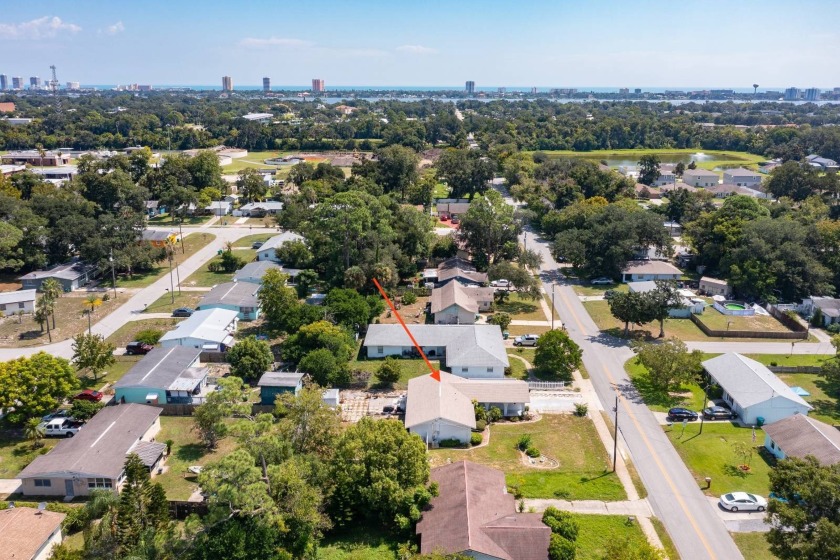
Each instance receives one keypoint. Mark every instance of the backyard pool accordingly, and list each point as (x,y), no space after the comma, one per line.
(735,306)
(730,307)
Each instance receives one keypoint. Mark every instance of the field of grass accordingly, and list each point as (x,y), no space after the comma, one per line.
(813,360)
(127,332)
(517,367)
(716,320)
(754,546)
(522,308)
(519,330)
(167,220)
(16,452)
(410,369)
(187,450)
(712,454)
(689,395)
(184,299)
(726,158)
(362,542)
(583,473)
(206,279)
(683,329)
(112,374)
(253,160)
(191,244)
(589,290)
(824,395)
(248,240)
(596,532)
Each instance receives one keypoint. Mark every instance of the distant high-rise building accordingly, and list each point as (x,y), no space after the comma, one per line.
(227,83)
(791,94)
(35,82)
(266,84)
(4,82)
(624,91)
(144,87)
(318,85)
(533,91)
(470,87)
(637,91)
(502,90)
(17,82)
(812,94)
(73,85)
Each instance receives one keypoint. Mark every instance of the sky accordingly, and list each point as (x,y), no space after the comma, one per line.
(553,43)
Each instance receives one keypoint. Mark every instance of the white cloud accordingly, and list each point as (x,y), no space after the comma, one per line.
(356,53)
(41,28)
(114,29)
(257,43)
(417,49)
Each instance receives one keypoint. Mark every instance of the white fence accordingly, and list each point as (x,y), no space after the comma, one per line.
(546,385)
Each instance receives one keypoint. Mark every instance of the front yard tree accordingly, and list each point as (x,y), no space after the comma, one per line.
(501,319)
(92,353)
(52,290)
(85,410)
(32,386)
(629,307)
(381,473)
(523,282)
(805,521)
(489,229)
(250,358)
(831,367)
(250,184)
(649,169)
(669,363)
(661,301)
(557,355)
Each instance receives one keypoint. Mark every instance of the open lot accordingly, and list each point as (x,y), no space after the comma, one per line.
(519,330)
(112,373)
(824,395)
(712,454)
(583,472)
(127,332)
(191,244)
(754,546)
(411,368)
(362,542)
(166,219)
(716,320)
(164,303)
(206,279)
(590,290)
(596,532)
(248,240)
(689,395)
(521,308)
(722,159)
(411,314)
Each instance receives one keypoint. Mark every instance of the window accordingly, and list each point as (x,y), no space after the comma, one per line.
(380,349)
(42,483)
(100,483)
(490,370)
(2,307)
(464,370)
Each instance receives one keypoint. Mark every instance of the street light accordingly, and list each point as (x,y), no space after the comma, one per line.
(113,274)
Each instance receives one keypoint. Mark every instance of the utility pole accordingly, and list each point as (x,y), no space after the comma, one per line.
(552,305)
(615,435)
(171,281)
(113,274)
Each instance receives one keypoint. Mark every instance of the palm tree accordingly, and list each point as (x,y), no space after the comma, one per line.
(52,291)
(755,89)
(34,431)
(41,153)
(43,309)
(93,301)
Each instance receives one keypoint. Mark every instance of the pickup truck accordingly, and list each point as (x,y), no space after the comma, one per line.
(62,427)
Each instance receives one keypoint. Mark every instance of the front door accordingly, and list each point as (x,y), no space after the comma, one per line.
(68,488)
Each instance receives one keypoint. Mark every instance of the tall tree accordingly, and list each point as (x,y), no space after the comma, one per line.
(250,184)
(308,423)
(92,353)
(557,355)
(489,229)
(629,307)
(466,171)
(669,363)
(649,169)
(250,358)
(397,169)
(32,386)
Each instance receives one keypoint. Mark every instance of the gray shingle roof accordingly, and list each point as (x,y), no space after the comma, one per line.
(160,368)
(279,240)
(66,271)
(18,296)
(799,436)
(748,381)
(466,345)
(740,172)
(255,269)
(238,294)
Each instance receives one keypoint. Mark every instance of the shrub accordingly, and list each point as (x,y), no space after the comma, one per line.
(389,371)
(215,266)
(533,452)
(149,336)
(452,442)
(524,442)
(817,317)
(561,523)
(476,439)
(833,328)
(774,363)
(409,298)
(581,409)
(514,419)
(85,410)
(495,414)
(560,548)
(480,425)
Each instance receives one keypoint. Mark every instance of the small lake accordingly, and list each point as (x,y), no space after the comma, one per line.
(665,157)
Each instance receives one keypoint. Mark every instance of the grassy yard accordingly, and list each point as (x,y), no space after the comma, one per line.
(187,450)
(522,308)
(689,395)
(683,329)
(583,473)
(723,158)
(362,542)
(519,330)
(16,453)
(69,321)
(248,240)
(411,368)
(206,279)
(589,290)
(596,532)
(167,220)
(716,320)
(518,369)
(814,360)
(127,332)
(113,373)
(191,244)
(184,299)
(824,395)
(754,546)
(712,454)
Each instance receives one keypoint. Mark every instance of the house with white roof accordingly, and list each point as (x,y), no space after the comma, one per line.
(12,303)
(210,330)
(753,392)
(686,305)
(474,351)
(636,271)
(829,308)
(267,252)
(262,118)
(800,436)
(742,177)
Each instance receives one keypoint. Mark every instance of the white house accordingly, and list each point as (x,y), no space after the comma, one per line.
(219,208)
(262,118)
(715,287)
(650,270)
(455,304)
(253,272)
(259,209)
(683,310)
(752,390)
(474,351)
(800,436)
(700,178)
(829,308)
(210,330)
(742,177)
(666,177)
(12,303)
(268,250)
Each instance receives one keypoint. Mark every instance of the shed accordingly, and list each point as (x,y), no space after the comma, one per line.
(274,383)
(715,287)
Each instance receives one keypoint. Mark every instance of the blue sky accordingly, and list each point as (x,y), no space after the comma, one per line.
(596,43)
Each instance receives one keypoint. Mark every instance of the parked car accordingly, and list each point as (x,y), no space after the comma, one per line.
(88,395)
(526,340)
(681,414)
(183,312)
(742,501)
(601,281)
(135,347)
(501,283)
(62,427)
(257,244)
(456,220)
(444,218)
(718,413)
(60,413)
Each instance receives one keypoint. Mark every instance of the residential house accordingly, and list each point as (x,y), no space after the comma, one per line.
(474,351)
(823,164)
(742,177)
(475,515)
(219,208)
(71,275)
(700,178)
(157,238)
(33,157)
(237,296)
(275,383)
(9,170)
(259,209)
(685,308)
(21,301)
(451,207)
(753,392)
(646,192)
(666,177)
(724,190)
(800,436)
(58,174)
(154,208)
(456,304)
(768,167)
(829,308)
(209,329)
(268,251)
(164,376)
(715,287)
(253,272)
(650,270)
(93,459)
(676,186)
(29,534)
(460,270)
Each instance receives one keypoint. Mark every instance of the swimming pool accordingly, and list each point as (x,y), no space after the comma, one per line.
(734,306)
(730,307)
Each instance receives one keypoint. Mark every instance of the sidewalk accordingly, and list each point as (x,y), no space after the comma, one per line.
(638,508)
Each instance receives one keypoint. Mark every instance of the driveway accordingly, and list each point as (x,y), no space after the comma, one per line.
(742,521)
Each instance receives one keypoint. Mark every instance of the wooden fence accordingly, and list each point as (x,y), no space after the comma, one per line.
(181,510)
(802,335)
(213,357)
(789,321)
(794,369)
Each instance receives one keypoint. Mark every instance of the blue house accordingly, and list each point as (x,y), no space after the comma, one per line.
(234,296)
(164,376)
(274,383)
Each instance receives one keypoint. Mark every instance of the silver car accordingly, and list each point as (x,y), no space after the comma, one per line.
(526,340)
(742,501)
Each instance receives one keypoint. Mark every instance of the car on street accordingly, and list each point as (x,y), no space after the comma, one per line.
(256,244)
(718,413)
(742,501)
(138,348)
(678,413)
(526,340)
(88,395)
(601,281)
(501,283)
(183,312)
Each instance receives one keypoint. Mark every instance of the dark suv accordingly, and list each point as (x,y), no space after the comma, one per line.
(718,413)
(681,414)
(135,347)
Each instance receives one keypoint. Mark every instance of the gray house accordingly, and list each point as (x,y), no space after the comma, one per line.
(72,276)
(829,307)
(253,272)
(700,178)
(163,376)
(236,296)
(741,177)
(800,436)
(455,304)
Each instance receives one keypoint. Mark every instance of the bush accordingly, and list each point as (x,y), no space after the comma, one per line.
(524,442)
(495,414)
(409,298)
(560,548)
(833,328)
(480,425)
(817,318)
(774,363)
(215,266)
(581,409)
(389,371)
(85,410)
(149,336)
(561,523)
(476,439)
(533,452)
(452,442)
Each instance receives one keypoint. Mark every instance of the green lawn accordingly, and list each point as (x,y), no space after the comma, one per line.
(206,279)
(583,473)
(716,320)
(754,546)
(689,395)
(522,308)
(184,299)
(683,329)
(596,532)
(248,240)
(519,330)
(191,244)
(186,451)
(166,220)
(518,369)
(112,374)
(441,191)
(589,290)
(712,454)
(814,360)
(411,368)
(253,160)
(667,543)
(127,332)
(16,453)
(727,158)
(362,542)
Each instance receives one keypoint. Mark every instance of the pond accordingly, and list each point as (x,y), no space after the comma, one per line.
(618,160)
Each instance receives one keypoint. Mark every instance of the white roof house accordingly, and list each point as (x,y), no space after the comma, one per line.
(650,270)
(267,251)
(752,390)
(210,329)
(474,351)
(262,118)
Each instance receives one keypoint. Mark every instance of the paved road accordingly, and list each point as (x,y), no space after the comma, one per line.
(676,499)
(148,295)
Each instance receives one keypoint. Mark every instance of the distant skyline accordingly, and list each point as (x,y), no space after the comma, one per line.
(600,43)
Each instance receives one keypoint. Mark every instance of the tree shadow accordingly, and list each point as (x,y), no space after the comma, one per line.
(653,395)
(31,335)
(831,405)
(516,307)
(191,452)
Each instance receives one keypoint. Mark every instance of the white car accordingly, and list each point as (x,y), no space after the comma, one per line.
(501,283)
(742,501)
(602,281)
(526,340)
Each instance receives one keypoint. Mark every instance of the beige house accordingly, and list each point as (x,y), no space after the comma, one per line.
(456,304)
(715,287)
(93,459)
(637,271)
(29,534)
